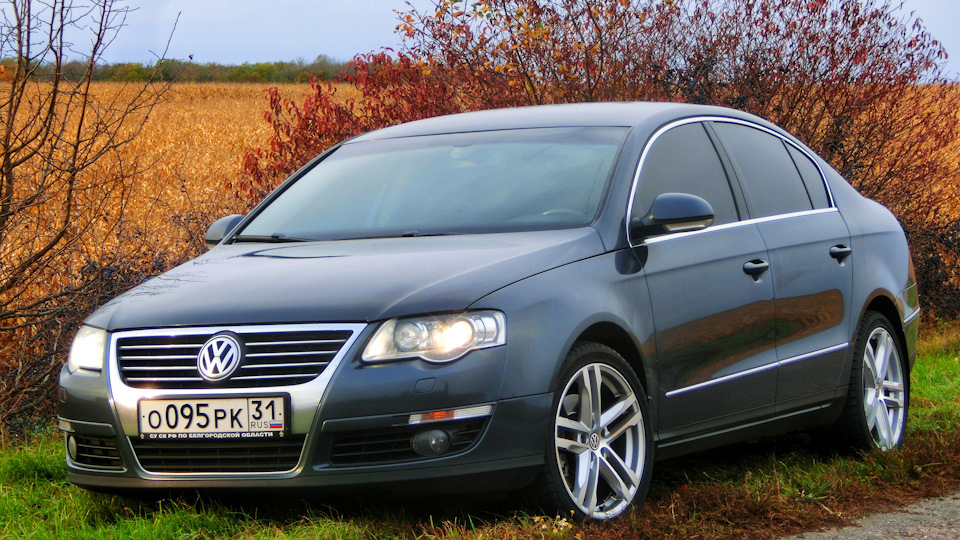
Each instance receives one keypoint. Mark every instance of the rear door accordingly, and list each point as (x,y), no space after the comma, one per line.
(810,258)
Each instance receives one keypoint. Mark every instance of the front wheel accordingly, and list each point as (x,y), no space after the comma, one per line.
(875,414)
(599,459)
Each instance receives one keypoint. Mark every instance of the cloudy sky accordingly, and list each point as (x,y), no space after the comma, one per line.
(237,31)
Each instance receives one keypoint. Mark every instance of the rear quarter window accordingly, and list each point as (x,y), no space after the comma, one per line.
(811,178)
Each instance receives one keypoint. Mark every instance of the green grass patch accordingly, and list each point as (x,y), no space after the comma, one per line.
(762,490)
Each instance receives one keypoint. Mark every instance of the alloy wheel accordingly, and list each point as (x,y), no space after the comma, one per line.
(600,440)
(883,389)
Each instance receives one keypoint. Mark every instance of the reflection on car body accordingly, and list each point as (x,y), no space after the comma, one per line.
(542,298)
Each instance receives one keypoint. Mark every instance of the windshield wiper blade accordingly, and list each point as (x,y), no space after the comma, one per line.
(411,234)
(276,238)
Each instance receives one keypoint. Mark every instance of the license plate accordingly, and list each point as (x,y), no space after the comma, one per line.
(218,418)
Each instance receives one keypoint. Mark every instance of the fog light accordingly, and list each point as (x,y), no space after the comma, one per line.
(72,447)
(430,442)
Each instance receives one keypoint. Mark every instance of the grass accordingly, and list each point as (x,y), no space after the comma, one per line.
(763,490)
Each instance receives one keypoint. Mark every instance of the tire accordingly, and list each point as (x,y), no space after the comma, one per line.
(600,455)
(875,412)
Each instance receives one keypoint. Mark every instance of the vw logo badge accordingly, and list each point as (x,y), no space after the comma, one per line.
(219,357)
(594,441)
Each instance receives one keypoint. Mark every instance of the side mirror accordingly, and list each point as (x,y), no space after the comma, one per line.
(673,212)
(219,229)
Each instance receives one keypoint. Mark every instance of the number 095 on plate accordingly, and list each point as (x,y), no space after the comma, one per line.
(221,418)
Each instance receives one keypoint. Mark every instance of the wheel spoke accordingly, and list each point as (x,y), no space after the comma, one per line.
(569,403)
(892,402)
(588,478)
(633,420)
(884,429)
(869,362)
(572,425)
(596,380)
(618,475)
(571,445)
(870,407)
(883,352)
(893,386)
(587,391)
(617,409)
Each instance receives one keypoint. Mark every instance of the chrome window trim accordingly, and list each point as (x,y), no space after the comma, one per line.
(304,398)
(725,226)
(700,119)
(758,369)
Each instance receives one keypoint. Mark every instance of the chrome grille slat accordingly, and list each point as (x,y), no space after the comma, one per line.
(276,356)
(268,377)
(195,346)
(162,357)
(304,342)
(267,366)
(298,353)
(163,379)
(155,368)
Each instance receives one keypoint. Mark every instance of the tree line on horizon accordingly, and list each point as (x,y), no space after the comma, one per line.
(323,67)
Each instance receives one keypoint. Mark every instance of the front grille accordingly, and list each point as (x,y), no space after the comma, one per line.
(219,456)
(391,445)
(97,452)
(271,359)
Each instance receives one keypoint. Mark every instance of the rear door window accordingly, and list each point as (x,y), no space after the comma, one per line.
(770,180)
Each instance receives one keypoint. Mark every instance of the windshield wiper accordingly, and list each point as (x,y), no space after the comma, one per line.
(275,238)
(411,234)
(407,234)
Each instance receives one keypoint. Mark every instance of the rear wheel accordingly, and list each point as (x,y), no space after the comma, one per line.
(875,414)
(600,454)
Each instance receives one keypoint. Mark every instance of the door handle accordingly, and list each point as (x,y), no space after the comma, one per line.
(755,267)
(840,252)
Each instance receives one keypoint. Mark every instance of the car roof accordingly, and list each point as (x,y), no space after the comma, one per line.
(649,115)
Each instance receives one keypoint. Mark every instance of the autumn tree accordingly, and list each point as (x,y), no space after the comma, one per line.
(61,203)
(860,81)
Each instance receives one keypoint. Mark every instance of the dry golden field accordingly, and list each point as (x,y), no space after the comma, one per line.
(193,143)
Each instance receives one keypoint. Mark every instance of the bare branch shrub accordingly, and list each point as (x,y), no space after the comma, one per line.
(64,248)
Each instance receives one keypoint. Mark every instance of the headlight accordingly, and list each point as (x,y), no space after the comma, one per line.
(87,349)
(436,339)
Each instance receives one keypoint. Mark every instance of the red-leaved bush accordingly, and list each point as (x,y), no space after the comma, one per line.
(860,81)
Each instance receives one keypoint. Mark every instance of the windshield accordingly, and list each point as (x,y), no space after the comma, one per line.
(493,181)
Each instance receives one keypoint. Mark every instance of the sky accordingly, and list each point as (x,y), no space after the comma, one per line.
(237,31)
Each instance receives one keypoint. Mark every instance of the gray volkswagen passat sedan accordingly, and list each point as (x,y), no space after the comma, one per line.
(544,298)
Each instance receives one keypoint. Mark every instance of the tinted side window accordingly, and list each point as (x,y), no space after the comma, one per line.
(811,178)
(770,180)
(683,160)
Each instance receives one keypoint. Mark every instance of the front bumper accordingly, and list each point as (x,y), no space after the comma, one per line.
(508,444)
(351,403)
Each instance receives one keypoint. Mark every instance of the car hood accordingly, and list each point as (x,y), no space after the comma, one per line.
(342,281)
